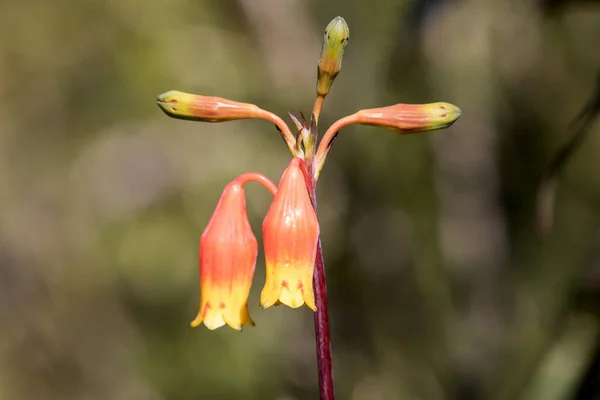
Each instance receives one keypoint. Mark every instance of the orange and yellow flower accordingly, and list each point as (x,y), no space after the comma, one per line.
(228,252)
(290,235)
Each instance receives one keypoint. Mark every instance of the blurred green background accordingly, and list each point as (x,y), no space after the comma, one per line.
(439,286)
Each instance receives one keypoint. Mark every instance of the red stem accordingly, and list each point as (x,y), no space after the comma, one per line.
(322,332)
(327,141)
(256,177)
(287,135)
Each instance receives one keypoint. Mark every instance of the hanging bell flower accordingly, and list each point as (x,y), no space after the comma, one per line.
(290,235)
(228,251)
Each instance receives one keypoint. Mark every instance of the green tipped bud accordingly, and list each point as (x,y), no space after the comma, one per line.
(409,118)
(205,108)
(335,41)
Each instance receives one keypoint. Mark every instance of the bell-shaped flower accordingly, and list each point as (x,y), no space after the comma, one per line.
(228,252)
(290,235)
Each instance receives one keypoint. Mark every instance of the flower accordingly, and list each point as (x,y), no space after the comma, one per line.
(290,235)
(228,252)
(409,118)
(335,41)
(194,107)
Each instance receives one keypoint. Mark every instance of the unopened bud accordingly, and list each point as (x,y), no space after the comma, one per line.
(409,118)
(204,108)
(335,40)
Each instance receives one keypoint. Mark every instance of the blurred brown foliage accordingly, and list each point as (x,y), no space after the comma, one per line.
(440,288)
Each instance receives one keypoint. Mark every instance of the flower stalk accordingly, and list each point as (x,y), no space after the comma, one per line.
(291,233)
(321,317)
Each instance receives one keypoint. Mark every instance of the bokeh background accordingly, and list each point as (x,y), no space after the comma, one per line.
(440,287)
